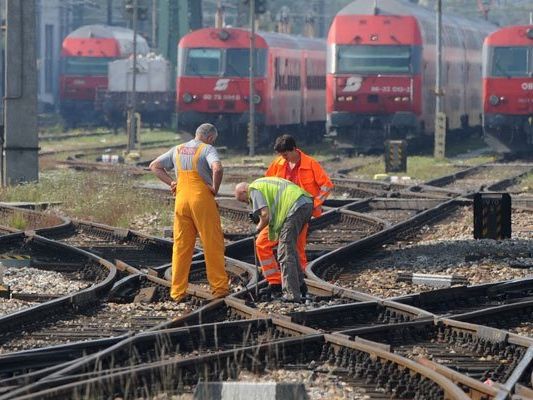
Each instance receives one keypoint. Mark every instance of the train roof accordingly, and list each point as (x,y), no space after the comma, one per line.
(241,39)
(511,35)
(401,7)
(123,36)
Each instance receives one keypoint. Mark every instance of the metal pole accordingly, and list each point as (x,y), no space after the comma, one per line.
(440,117)
(21,143)
(132,121)
(438,70)
(154,24)
(251,126)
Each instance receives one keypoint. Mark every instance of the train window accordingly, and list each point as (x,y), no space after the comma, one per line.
(378,59)
(238,62)
(203,62)
(511,61)
(86,65)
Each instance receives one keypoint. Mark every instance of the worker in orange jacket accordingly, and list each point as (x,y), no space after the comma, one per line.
(296,166)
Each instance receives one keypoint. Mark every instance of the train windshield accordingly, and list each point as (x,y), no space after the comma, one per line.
(86,65)
(512,61)
(375,59)
(203,62)
(223,62)
(238,62)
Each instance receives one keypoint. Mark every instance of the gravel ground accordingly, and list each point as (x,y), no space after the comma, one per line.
(392,216)
(445,248)
(38,281)
(8,306)
(320,384)
(277,307)
(525,329)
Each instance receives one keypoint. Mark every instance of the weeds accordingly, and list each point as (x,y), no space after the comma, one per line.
(108,198)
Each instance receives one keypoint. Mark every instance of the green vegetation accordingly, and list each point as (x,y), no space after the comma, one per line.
(90,142)
(108,198)
(421,168)
(17,221)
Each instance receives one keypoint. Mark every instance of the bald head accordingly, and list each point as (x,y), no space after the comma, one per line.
(241,192)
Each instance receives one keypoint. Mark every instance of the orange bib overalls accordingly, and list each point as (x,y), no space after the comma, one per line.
(196,211)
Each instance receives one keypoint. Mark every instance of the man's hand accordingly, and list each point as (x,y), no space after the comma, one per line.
(173,187)
(212,189)
(254,218)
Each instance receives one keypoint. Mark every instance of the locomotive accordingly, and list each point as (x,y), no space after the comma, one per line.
(212,84)
(85,55)
(508,89)
(381,72)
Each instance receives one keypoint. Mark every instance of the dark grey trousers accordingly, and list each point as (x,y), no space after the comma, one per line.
(292,276)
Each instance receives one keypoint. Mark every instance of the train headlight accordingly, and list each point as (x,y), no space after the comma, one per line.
(187,98)
(223,35)
(494,100)
(256,99)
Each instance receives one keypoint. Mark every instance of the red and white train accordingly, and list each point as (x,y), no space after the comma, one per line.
(213,84)
(85,55)
(508,89)
(381,72)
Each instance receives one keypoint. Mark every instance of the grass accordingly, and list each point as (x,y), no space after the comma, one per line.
(17,221)
(421,168)
(88,142)
(109,198)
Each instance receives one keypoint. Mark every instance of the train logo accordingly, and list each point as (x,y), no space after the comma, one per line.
(353,84)
(221,85)
(527,86)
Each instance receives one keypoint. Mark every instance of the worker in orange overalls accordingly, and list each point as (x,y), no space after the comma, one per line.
(198,177)
(296,166)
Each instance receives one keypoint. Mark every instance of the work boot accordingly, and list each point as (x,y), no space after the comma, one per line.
(270,292)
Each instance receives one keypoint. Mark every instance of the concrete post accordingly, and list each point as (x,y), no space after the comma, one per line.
(21,163)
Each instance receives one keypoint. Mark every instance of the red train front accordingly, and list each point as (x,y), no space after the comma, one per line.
(85,55)
(381,72)
(213,85)
(508,89)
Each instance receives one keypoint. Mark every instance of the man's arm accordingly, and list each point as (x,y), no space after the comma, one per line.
(161,173)
(218,173)
(264,219)
(324,183)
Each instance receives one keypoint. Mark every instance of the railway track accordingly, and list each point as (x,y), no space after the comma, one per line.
(392,210)
(475,179)
(479,353)
(31,262)
(421,251)
(14,219)
(223,350)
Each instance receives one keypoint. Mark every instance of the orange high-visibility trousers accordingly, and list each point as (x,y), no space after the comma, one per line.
(267,260)
(196,211)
